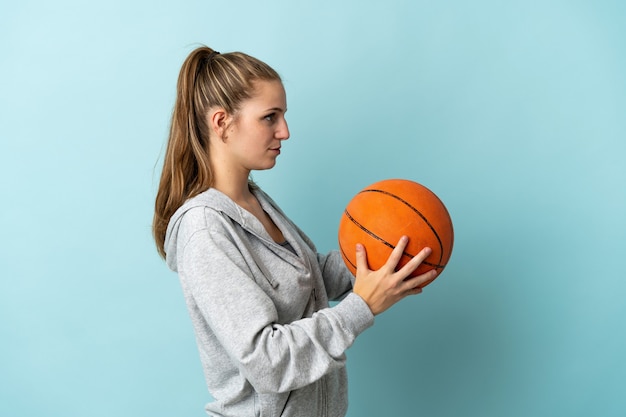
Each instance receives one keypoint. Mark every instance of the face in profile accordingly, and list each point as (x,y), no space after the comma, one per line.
(256,131)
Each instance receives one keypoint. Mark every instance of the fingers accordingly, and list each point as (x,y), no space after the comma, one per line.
(384,287)
(400,277)
(415,261)
(414,285)
(420,281)
(394,259)
(414,291)
(396,254)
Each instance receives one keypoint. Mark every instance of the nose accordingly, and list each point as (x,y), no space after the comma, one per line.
(282,132)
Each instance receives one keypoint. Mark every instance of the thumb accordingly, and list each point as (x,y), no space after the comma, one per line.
(361,258)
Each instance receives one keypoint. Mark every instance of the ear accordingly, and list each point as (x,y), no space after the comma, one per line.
(219,120)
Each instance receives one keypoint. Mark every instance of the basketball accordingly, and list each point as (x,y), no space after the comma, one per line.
(383,212)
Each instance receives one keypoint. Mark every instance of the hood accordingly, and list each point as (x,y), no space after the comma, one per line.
(171,239)
(217,201)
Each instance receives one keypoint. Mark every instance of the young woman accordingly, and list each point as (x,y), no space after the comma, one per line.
(256,289)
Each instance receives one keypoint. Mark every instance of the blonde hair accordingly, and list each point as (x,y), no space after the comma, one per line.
(207,79)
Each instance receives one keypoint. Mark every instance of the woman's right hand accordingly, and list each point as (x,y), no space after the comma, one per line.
(383,288)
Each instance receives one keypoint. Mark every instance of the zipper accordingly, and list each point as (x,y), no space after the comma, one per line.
(324,404)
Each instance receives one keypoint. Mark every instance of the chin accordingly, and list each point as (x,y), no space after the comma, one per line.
(265,166)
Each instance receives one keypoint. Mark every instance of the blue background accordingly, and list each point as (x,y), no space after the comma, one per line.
(514,113)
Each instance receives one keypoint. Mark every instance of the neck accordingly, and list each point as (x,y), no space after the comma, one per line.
(235,186)
(229,178)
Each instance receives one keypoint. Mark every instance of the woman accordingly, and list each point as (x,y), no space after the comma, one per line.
(256,289)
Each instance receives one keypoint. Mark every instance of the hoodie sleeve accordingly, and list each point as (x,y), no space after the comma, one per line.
(337,277)
(273,357)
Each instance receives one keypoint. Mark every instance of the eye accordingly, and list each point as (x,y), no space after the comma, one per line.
(270,117)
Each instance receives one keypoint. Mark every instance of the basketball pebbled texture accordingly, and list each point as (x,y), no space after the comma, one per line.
(381,213)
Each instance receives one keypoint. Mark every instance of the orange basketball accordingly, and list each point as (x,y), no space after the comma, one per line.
(380,214)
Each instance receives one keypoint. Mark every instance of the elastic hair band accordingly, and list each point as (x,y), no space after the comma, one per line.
(211,55)
(206,62)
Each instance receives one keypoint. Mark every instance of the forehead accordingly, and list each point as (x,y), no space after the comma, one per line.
(267,95)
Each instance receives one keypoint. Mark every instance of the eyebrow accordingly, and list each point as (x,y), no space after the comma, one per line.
(277,109)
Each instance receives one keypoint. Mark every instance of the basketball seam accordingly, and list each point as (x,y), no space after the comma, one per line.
(375,236)
(373,190)
(345,257)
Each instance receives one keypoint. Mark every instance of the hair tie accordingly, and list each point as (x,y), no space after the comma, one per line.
(211,55)
(204,63)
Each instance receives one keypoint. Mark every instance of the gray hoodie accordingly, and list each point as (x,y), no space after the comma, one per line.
(269,343)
